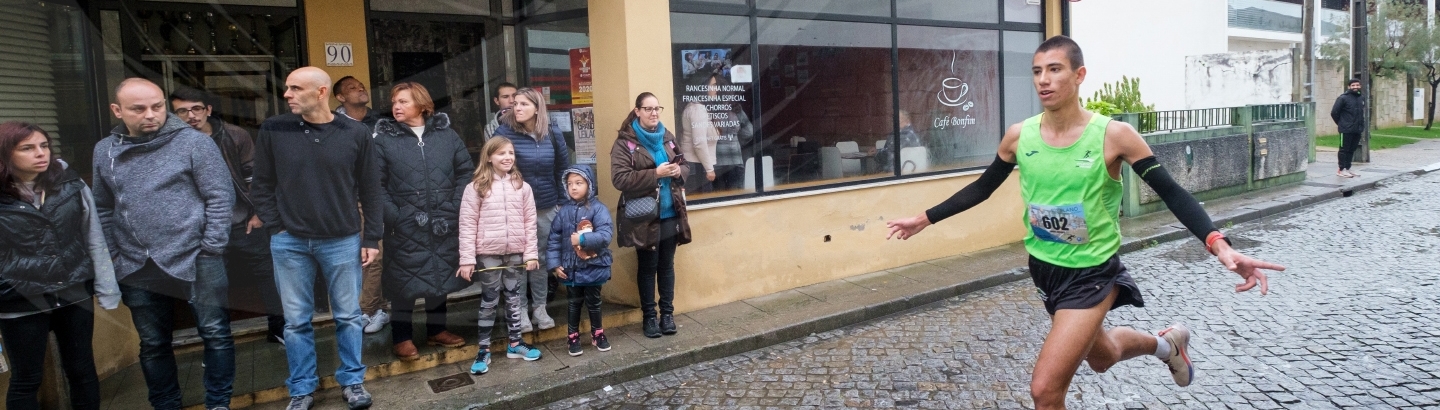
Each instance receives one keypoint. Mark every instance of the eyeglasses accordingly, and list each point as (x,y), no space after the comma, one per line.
(185,112)
(652,110)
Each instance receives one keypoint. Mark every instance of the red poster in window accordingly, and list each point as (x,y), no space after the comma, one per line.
(580,93)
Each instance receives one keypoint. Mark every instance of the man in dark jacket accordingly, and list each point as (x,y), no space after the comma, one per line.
(354,104)
(248,254)
(1349,115)
(354,101)
(165,199)
(311,169)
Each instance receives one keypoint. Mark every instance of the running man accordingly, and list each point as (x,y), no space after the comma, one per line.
(1072,208)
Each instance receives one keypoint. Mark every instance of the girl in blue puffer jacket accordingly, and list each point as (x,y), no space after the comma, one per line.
(579,253)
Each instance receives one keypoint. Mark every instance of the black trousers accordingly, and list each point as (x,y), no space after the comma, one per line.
(1348,144)
(25,342)
(656,271)
(247,261)
(402,322)
(589,297)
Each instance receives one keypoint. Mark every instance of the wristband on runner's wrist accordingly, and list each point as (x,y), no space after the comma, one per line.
(1213,237)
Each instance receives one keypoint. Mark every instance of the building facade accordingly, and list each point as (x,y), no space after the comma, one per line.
(812,99)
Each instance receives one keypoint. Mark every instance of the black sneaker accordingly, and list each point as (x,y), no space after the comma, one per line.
(575,349)
(601,342)
(652,329)
(667,324)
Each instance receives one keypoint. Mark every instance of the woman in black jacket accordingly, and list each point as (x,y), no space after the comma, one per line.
(424,168)
(53,258)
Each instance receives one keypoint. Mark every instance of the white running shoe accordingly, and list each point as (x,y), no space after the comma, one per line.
(1179,362)
(525,323)
(542,319)
(377,321)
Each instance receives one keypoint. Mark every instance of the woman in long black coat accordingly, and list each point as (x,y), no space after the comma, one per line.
(424,168)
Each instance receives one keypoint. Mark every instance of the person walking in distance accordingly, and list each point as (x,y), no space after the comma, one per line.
(1071,160)
(1349,116)
(311,170)
(171,252)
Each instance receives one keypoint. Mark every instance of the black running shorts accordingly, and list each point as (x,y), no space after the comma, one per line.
(1083,288)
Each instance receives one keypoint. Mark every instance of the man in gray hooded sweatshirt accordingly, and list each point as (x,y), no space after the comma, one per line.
(164,197)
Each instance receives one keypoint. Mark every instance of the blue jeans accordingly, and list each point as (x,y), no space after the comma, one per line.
(150,294)
(296,261)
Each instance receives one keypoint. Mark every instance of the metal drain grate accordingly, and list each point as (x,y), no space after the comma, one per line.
(450,382)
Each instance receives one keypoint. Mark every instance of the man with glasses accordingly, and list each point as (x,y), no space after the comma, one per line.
(249,248)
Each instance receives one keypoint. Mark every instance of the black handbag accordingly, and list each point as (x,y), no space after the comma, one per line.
(646,208)
(642,209)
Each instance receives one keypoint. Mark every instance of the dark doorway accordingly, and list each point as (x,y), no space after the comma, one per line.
(428,69)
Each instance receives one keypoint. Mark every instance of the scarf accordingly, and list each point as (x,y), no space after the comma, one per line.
(655,143)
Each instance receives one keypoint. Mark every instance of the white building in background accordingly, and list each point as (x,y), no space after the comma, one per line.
(1173,45)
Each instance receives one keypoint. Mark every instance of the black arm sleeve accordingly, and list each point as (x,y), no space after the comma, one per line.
(972,194)
(1184,206)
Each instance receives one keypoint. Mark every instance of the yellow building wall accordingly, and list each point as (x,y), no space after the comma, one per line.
(751,249)
(338,21)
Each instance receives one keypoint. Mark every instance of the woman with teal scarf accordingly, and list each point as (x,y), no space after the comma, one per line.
(644,162)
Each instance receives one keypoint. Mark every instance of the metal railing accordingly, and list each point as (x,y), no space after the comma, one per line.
(1277,112)
(1266,15)
(1163,121)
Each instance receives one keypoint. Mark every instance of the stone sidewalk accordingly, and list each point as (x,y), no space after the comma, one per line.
(751,324)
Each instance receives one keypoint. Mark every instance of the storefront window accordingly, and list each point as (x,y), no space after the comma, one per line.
(949,10)
(713,103)
(1021,102)
(826,89)
(537,7)
(558,57)
(1022,11)
(851,7)
(44,51)
(444,56)
(949,88)
(240,57)
(833,102)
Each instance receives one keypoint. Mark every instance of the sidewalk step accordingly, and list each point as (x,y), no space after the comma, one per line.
(261,367)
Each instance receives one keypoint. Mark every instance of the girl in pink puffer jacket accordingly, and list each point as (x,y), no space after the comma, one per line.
(497,230)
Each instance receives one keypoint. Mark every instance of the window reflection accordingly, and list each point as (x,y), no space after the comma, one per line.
(950,87)
(828,107)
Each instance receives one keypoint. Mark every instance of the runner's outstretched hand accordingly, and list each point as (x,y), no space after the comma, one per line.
(904,228)
(1248,268)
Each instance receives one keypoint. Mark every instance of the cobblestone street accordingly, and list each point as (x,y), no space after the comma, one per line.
(1351,324)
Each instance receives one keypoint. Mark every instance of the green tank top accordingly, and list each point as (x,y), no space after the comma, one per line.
(1072,205)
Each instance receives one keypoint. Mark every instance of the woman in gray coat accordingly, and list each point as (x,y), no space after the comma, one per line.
(424,168)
